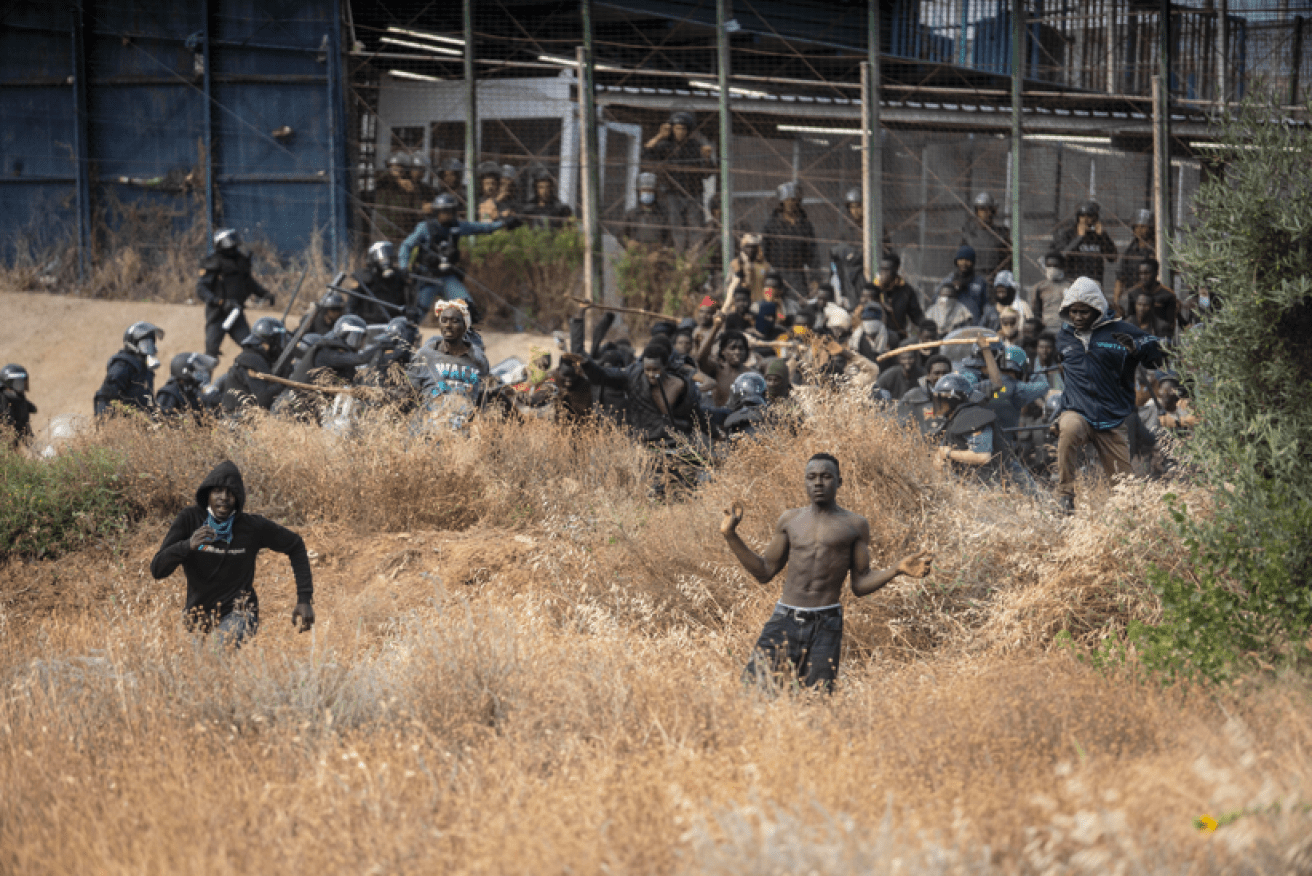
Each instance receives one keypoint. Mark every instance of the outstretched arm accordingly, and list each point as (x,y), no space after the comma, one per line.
(762,568)
(866,580)
(704,360)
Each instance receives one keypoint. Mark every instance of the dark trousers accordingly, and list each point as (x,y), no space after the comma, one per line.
(215,315)
(800,646)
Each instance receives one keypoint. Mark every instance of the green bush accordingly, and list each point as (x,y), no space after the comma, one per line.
(532,269)
(50,507)
(1248,598)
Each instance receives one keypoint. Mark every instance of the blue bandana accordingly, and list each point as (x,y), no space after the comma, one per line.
(222,531)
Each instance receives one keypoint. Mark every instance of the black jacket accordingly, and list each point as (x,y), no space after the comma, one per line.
(178,398)
(641,412)
(127,380)
(392,287)
(16,413)
(649,226)
(680,167)
(240,388)
(227,278)
(789,247)
(220,575)
(334,355)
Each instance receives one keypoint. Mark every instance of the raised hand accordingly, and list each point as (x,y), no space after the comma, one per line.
(917,565)
(732,517)
(203,535)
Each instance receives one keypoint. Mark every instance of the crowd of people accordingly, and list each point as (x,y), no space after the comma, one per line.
(1016,388)
(1011,382)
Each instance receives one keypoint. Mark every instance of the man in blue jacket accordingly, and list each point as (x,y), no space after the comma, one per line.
(1099,355)
(434,249)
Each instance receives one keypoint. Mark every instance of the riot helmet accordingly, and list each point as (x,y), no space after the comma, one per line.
(788,191)
(489,168)
(397,159)
(950,392)
(748,389)
(1013,359)
(383,254)
(141,338)
(14,377)
(268,332)
(985,200)
(1089,208)
(1143,217)
(853,196)
(683,118)
(332,300)
(351,329)
(445,202)
(226,239)
(193,368)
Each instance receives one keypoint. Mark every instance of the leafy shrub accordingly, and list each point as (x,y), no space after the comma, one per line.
(526,275)
(47,508)
(1248,597)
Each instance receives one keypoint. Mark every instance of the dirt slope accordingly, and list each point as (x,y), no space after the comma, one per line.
(65,343)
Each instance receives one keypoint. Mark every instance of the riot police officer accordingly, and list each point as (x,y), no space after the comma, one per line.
(225,284)
(331,307)
(434,248)
(260,351)
(130,374)
(15,409)
(381,278)
(189,374)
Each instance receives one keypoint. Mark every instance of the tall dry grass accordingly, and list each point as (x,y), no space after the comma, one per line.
(524,665)
(151,250)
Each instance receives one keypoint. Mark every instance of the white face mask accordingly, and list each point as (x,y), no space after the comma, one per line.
(871,326)
(1053,273)
(1204,301)
(647,198)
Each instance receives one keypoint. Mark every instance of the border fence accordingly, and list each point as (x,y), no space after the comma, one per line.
(308,121)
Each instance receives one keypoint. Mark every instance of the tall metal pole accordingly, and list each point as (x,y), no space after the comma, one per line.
(209,120)
(471,117)
(872,149)
(336,132)
(592,254)
(723,15)
(1162,130)
(1017,88)
(81,148)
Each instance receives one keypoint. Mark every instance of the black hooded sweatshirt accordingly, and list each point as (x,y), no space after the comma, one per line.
(219,575)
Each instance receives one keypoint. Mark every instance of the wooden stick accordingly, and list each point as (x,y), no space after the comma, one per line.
(615,307)
(929,345)
(357,391)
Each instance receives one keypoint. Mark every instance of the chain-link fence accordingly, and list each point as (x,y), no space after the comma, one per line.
(285,146)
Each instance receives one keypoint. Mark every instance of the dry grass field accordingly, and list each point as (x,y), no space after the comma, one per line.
(523,665)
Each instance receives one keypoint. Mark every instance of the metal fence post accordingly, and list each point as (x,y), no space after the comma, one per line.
(81,150)
(722,17)
(1017,89)
(208,86)
(872,152)
(471,116)
(592,253)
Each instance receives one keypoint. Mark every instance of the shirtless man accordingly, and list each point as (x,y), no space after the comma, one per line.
(804,636)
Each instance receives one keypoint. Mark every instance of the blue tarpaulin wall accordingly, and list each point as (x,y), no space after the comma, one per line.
(229,107)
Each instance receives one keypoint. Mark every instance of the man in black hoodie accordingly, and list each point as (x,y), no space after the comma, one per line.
(215,543)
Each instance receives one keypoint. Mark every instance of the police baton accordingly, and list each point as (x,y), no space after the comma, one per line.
(289,350)
(354,293)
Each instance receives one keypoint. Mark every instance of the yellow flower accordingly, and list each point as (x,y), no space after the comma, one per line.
(1205,822)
